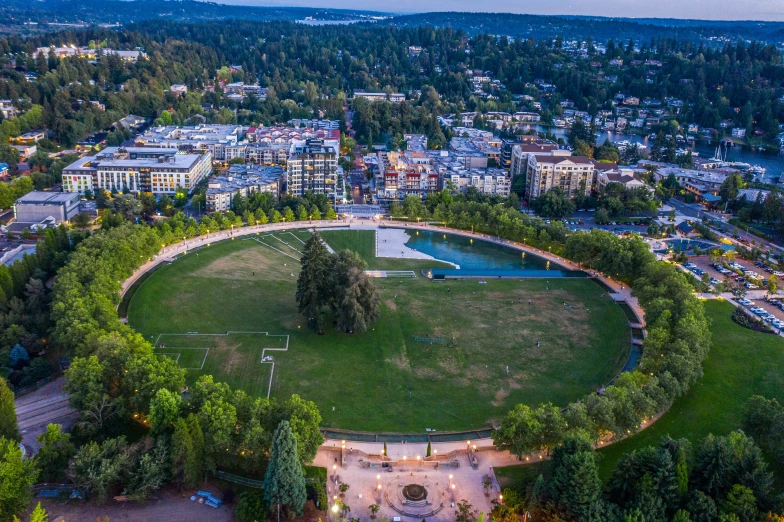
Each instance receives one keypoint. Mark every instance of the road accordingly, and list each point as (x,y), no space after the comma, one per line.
(356,178)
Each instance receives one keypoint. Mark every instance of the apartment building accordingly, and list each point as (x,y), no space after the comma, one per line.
(520,152)
(401,174)
(573,174)
(137,169)
(493,182)
(243,180)
(312,166)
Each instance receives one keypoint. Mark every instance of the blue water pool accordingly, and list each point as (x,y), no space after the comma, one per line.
(472,255)
(687,245)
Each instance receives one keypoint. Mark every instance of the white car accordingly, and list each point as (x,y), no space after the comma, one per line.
(751,286)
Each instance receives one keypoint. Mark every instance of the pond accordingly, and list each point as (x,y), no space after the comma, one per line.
(472,254)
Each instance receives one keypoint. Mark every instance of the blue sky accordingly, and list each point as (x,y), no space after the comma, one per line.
(772,10)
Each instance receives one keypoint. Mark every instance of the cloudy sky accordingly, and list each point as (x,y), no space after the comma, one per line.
(772,10)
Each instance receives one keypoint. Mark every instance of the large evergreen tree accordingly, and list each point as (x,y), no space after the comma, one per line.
(356,302)
(575,486)
(284,483)
(313,284)
(8,427)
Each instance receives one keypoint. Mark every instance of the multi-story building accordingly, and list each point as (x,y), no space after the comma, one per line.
(493,182)
(137,169)
(7,109)
(402,174)
(518,164)
(573,174)
(380,96)
(244,180)
(34,207)
(312,166)
(199,139)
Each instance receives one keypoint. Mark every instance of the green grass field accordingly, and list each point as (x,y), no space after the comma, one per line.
(741,363)
(384,380)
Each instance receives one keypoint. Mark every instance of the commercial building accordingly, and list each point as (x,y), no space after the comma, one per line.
(198,139)
(312,166)
(35,207)
(137,169)
(244,180)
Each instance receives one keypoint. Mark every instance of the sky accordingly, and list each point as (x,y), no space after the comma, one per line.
(769,10)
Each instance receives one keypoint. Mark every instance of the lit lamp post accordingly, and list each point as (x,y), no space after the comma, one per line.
(335,510)
(335,473)
(404,463)
(417,462)
(450,481)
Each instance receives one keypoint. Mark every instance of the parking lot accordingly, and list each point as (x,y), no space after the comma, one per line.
(755,296)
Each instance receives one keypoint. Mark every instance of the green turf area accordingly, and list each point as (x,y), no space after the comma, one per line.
(363,242)
(741,363)
(385,380)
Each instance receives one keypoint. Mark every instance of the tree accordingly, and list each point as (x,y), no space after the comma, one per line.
(519,432)
(251,507)
(553,204)
(56,450)
(465,512)
(151,471)
(356,301)
(575,485)
(730,188)
(284,482)
(181,450)
(373,510)
(194,464)
(164,410)
(38,514)
(96,469)
(313,283)
(8,426)
(17,474)
(773,284)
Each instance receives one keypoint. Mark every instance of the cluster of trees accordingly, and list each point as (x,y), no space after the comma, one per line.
(309,70)
(25,301)
(763,419)
(12,190)
(678,341)
(722,478)
(339,282)
(115,379)
(486,214)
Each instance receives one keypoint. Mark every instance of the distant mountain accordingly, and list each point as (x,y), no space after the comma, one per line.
(600,28)
(124,12)
(49,14)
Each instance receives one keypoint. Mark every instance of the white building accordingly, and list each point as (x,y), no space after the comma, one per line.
(198,139)
(573,174)
(137,169)
(380,96)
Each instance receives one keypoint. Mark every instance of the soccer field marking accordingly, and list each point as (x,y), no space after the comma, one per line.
(230,332)
(295,237)
(179,354)
(177,360)
(288,245)
(275,249)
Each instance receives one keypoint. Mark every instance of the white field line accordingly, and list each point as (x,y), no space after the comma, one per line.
(203,360)
(288,245)
(273,248)
(177,360)
(295,237)
(263,350)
